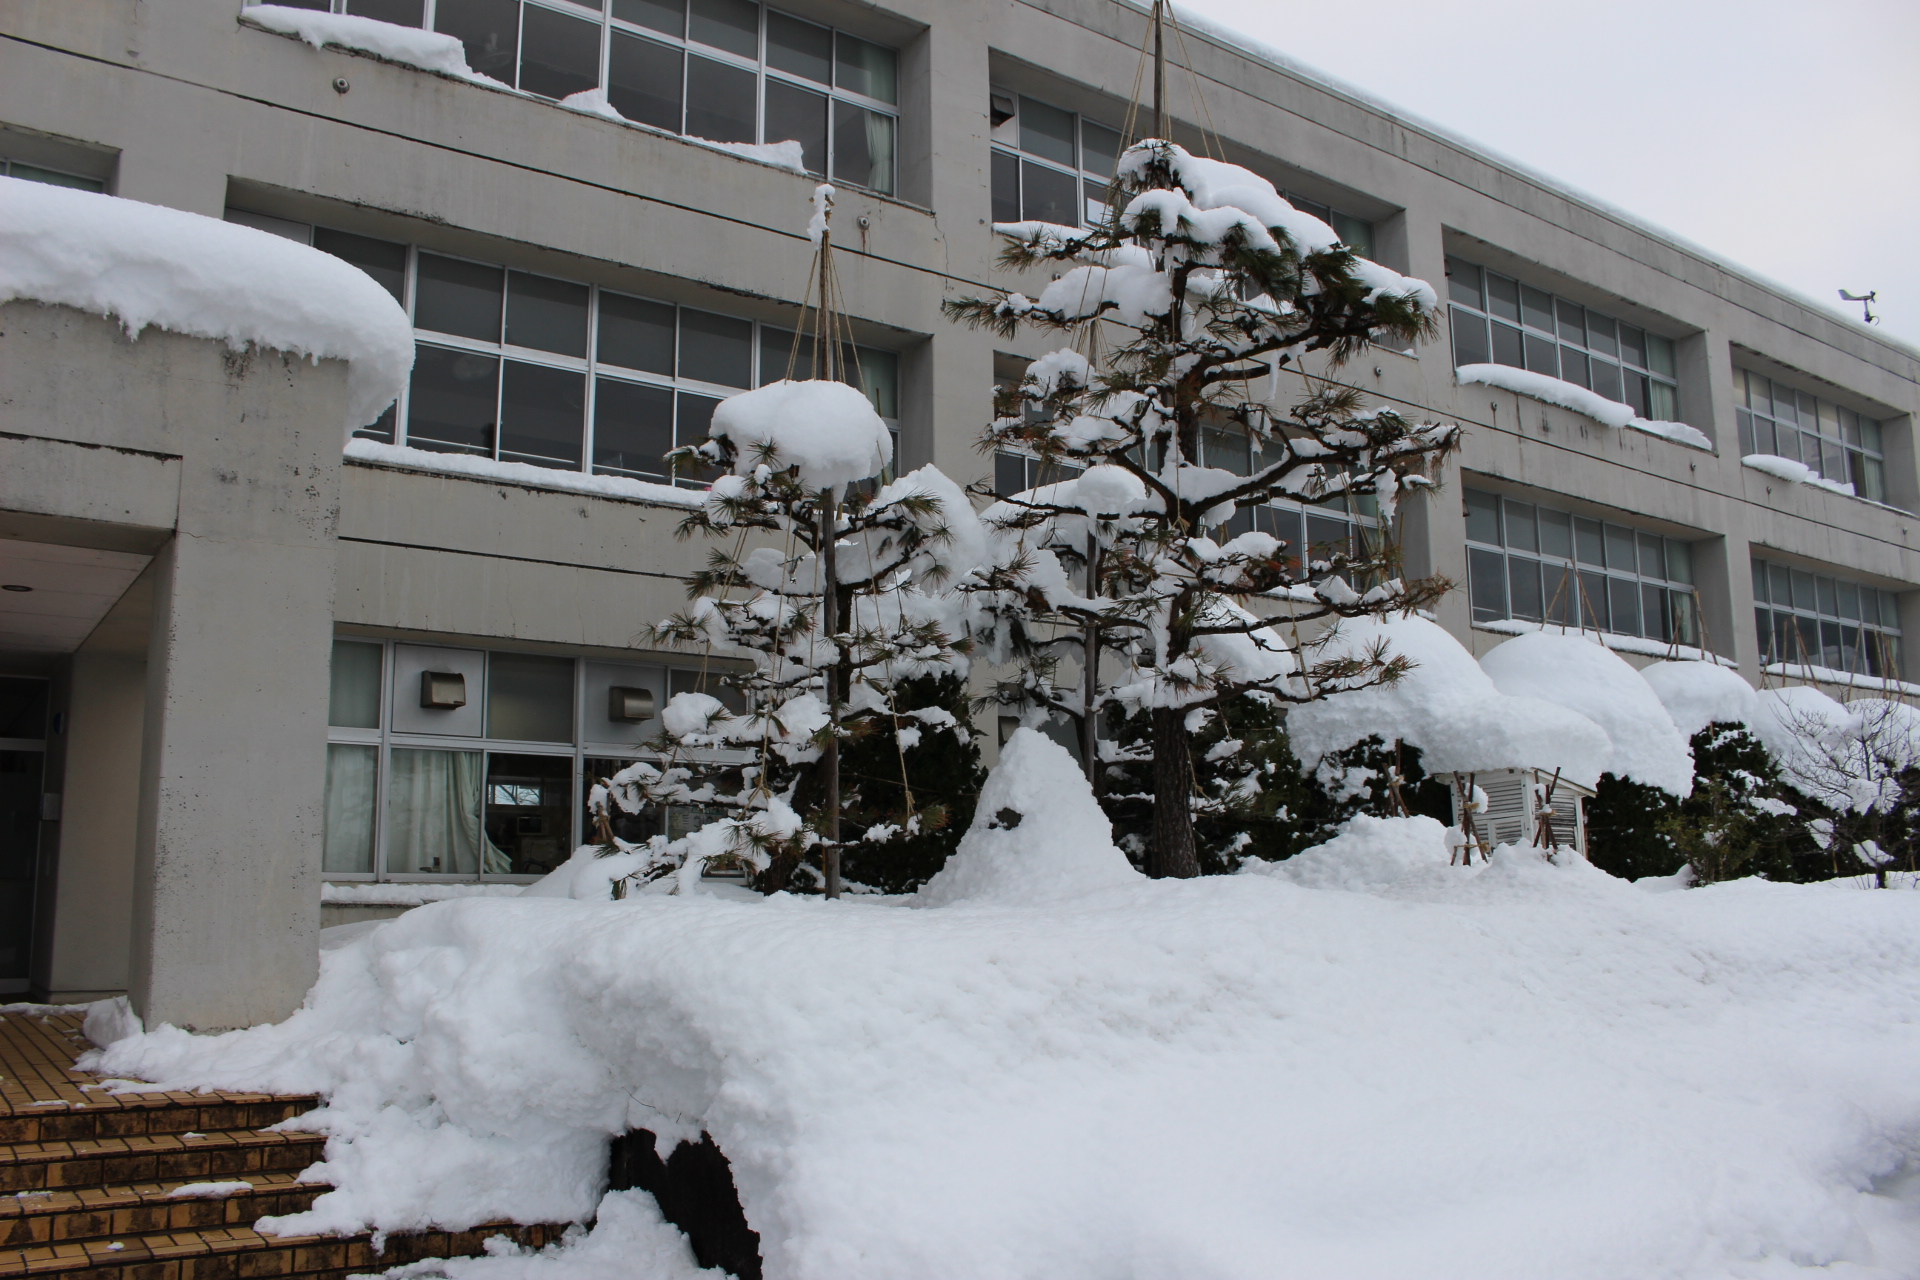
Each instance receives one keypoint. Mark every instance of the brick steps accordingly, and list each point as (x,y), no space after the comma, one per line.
(87,1179)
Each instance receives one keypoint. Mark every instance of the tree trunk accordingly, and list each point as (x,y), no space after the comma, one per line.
(1173,853)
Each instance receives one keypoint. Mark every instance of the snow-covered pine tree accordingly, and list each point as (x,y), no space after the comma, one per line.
(1201,285)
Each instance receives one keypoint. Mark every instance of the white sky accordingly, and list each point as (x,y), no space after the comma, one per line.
(1783,135)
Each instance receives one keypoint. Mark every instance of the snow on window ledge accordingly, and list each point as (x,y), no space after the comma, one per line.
(412,895)
(1831,675)
(1608,413)
(1794,472)
(1618,643)
(467,466)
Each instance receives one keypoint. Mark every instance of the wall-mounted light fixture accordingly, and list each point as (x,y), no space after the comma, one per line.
(442,690)
(628,705)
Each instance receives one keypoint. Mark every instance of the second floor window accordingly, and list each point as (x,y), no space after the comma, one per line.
(1498,320)
(1809,619)
(1834,442)
(722,70)
(1049,165)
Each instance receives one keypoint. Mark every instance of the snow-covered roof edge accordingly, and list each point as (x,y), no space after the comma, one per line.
(466,466)
(1232,41)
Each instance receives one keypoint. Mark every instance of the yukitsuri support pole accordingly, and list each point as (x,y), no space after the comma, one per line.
(1543,834)
(830,755)
(1160,71)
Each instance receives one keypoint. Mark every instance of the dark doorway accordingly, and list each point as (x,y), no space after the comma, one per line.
(23,754)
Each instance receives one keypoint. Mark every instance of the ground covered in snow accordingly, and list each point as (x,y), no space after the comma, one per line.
(1363,1062)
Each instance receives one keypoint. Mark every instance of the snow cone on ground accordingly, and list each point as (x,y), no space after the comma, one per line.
(1037,833)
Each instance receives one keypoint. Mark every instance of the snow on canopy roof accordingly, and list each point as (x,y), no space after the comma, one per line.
(828,430)
(1449,708)
(1584,675)
(1697,694)
(144,264)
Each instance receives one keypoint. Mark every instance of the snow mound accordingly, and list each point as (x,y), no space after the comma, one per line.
(1793,471)
(1585,676)
(144,264)
(828,430)
(1446,706)
(1697,694)
(1369,854)
(1037,835)
(408,46)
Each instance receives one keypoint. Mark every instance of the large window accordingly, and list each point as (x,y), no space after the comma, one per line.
(1810,619)
(556,373)
(1499,320)
(1533,563)
(1834,442)
(447,761)
(722,70)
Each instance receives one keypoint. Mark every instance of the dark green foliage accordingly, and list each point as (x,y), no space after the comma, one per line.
(944,773)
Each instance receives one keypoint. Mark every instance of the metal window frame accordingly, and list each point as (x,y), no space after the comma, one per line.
(1591,353)
(1892,634)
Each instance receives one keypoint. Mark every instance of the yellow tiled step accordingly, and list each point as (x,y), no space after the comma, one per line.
(93,1213)
(164,1157)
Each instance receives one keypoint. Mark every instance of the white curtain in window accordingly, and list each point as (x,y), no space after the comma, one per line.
(433,814)
(351,772)
(880,148)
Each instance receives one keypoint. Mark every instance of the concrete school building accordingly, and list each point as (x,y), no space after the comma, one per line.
(253,685)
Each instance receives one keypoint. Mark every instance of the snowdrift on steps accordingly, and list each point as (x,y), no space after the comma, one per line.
(1418,1071)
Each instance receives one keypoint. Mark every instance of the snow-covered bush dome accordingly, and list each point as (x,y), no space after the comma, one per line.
(829,431)
(1697,694)
(144,264)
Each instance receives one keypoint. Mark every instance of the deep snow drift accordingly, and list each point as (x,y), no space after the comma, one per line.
(1368,1063)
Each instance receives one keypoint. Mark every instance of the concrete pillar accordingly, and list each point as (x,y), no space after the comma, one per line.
(92,899)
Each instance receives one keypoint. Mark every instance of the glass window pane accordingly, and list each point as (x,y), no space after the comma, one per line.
(1871,482)
(1602,335)
(1506,346)
(1048,195)
(1889,610)
(1587,541)
(1543,355)
(454,401)
(1829,602)
(1469,338)
(643,81)
(1355,233)
(1637,398)
(862,147)
(1869,434)
(461,298)
(1659,354)
(1556,533)
(353,695)
(632,429)
(433,812)
(546,314)
(51,177)
(1759,568)
(721,104)
(1523,586)
(669,16)
(1782,592)
(352,780)
(1679,561)
(559,55)
(1226,449)
(1606,380)
(733,25)
(865,68)
(1653,558)
(1006,187)
(529,813)
(1099,148)
(1572,321)
(1487,580)
(635,333)
(1573,367)
(1664,405)
(1046,132)
(1536,308)
(1463,284)
(1849,601)
(799,48)
(715,348)
(1633,346)
(385,261)
(529,697)
(777,352)
(542,414)
(1625,593)
(880,377)
(1619,548)
(1593,599)
(1009,474)
(1563,595)
(490,30)
(1802,589)
(1503,297)
(1519,526)
(694,419)
(798,115)
(1744,421)
(1483,517)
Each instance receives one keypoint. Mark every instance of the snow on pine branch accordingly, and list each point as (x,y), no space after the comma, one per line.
(145,264)
(1569,395)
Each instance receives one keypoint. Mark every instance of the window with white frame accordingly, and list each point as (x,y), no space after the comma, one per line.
(1533,563)
(1830,440)
(720,70)
(1499,320)
(472,763)
(556,373)
(1812,619)
(52,177)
